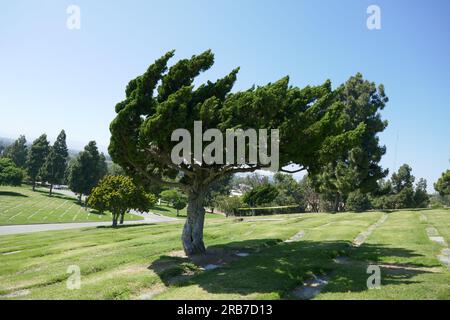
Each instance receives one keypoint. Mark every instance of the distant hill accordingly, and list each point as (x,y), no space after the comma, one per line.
(6,141)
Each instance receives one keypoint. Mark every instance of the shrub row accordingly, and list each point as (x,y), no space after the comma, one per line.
(262,211)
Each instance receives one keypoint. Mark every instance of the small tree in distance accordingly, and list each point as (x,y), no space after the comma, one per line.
(87,170)
(175,198)
(261,195)
(179,204)
(118,194)
(56,162)
(10,174)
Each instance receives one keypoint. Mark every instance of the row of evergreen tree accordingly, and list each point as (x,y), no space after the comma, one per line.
(51,164)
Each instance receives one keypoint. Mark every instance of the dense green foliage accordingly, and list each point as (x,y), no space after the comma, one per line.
(86,170)
(399,192)
(10,174)
(55,164)
(260,211)
(358,201)
(261,195)
(229,205)
(36,157)
(118,194)
(290,192)
(220,187)
(175,198)
(18,152)
(179,204)
(442,186)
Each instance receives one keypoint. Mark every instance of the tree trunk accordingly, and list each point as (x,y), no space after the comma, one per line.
(79,198)
(51,189)
(114,222)
(337,201)
(34,185)
(122,215)
(192,237)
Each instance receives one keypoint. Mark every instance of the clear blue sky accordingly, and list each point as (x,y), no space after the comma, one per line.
(53,78)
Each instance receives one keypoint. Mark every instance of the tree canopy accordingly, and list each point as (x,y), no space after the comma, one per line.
(118,194)
(358,168)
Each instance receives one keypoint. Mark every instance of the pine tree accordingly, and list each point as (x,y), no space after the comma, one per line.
(56,162)
(17,152)
(87,170)
(36,157)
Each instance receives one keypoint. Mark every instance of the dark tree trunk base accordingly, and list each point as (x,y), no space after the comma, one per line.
(192,237)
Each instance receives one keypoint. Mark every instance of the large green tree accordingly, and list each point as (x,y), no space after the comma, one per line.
(311,121)
(17,152)
(36,157)
(56,162)
(87,170)
(358,168)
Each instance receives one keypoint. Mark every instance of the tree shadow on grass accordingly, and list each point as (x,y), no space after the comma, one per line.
(12,194)
(56,195)
(126,226)
(276,268)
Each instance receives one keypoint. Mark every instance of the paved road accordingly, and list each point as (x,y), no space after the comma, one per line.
(148,218)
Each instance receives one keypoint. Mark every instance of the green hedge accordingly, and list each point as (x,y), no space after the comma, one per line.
(262,211)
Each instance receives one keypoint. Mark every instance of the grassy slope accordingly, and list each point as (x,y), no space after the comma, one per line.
(127,262)
(20,205)
(401,241)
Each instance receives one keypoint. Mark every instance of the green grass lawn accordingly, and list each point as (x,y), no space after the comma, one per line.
(145,261)
(20,205)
